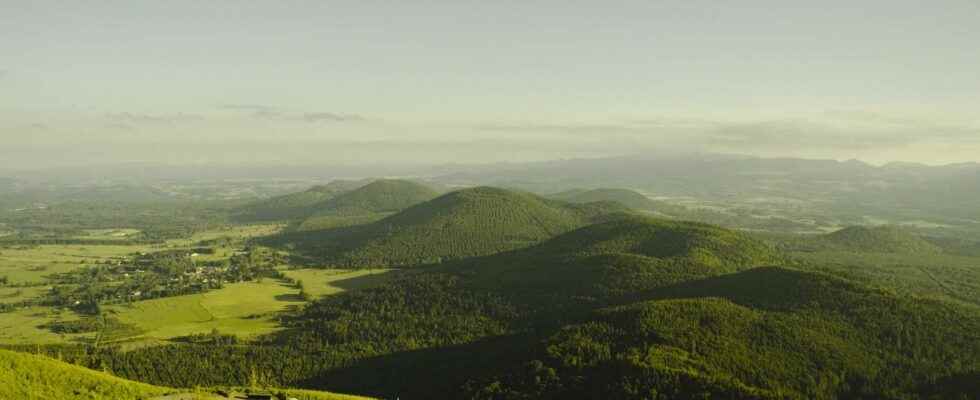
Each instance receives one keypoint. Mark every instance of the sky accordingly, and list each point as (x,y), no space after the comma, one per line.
(473,81)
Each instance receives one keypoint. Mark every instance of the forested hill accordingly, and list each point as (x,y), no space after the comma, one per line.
(466,223)
(877,239)
(634,308)
(383,195)
(628,307)
(295,205)
(625,197)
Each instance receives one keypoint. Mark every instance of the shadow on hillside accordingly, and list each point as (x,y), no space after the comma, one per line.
(443,370)
(367,281)
(767,288)
(289,297)
(306,248)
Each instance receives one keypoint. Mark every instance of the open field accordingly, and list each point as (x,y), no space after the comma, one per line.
(22,264)
(244,309)
(11,295)
(239,232)
(121,234)
(324,282)
(23,326)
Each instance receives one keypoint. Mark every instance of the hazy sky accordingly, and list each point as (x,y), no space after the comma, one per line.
(362,81)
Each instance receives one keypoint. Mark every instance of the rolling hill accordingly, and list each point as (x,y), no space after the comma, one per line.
(878,239)
(366,204)
(625,307)
(295,205)
(625,197)
(623,255)
(466,223)
(636,306)
(380,196)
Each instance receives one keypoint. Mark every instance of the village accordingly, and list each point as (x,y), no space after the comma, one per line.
(150,275)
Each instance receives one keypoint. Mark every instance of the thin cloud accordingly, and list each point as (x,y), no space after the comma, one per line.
(250,107)
(876,132)
(120,126)
(154,119)
(277,113)
(331,117)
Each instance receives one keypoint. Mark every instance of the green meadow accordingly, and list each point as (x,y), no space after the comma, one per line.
(324,282)
(30,264)
(244,309)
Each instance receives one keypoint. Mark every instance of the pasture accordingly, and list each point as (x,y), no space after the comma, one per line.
(23,326)
(324,282)
(245,309)
(121,234)
(30,264)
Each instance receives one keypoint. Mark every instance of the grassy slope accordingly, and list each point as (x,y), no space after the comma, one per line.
(24,376)
(244,309)
(324,282)
(466,223)
(28,377)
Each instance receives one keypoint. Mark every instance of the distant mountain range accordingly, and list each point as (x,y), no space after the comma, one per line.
(848,188)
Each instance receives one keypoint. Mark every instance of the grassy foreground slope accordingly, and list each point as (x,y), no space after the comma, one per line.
(465,223)
(25,376)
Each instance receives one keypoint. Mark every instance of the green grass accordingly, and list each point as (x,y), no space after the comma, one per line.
(23,326)
(32,263)
(25,376)
(245,309)
(324,282)
(18,294)
(238,232)
(120,234)
(32,377)
(321,222)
